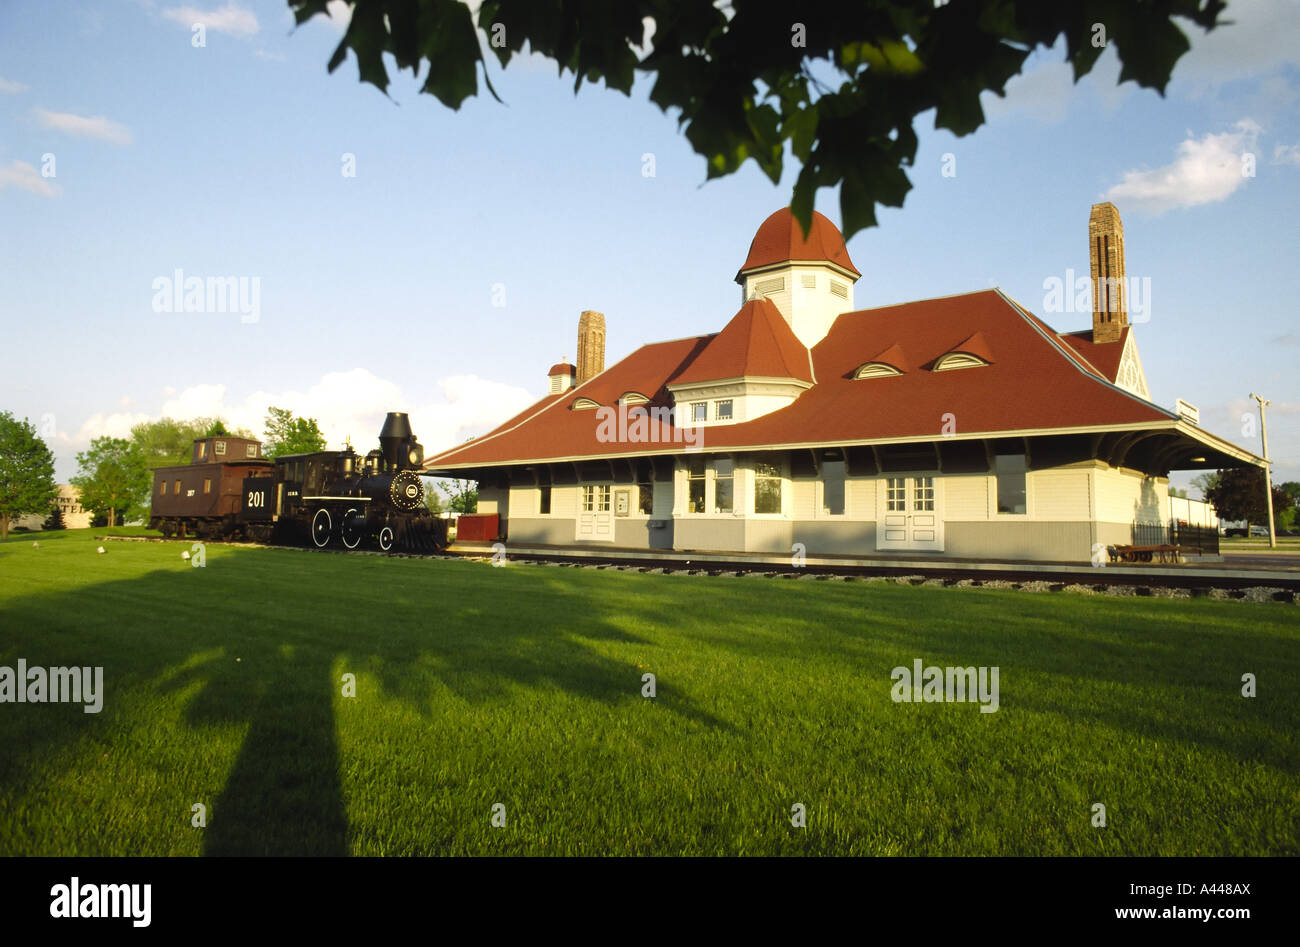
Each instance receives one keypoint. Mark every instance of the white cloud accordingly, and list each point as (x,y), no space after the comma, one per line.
(9,87)
(1258,40)
(231,19)
(1286,154)
(23,175)
(1045,90)
(118,424)
(98,127)
(270,57)
(352,404)
(1205,171)
(349,404)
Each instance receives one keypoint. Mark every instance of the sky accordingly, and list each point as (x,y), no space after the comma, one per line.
(394,254)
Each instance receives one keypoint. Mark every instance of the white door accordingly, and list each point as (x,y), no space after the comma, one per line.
(910,514)
(595,519)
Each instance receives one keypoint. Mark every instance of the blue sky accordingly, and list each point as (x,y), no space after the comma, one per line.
(447,275)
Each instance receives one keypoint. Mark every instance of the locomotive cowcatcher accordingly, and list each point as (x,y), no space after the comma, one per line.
(326,498)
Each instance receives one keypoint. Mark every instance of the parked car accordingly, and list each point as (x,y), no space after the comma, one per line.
(1234,531)
(1259,531)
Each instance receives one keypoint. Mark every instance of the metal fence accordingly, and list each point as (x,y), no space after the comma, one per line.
(1191,540)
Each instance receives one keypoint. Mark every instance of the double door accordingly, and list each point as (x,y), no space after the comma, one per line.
(910,514)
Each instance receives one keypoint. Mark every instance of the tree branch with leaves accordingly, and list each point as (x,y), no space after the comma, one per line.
(841,84)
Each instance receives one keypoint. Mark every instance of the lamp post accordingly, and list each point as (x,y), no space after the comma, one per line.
(1268,475)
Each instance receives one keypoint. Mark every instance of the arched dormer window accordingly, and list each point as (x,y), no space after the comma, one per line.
(958,360)
(876,370)
(634,397)
(584,404)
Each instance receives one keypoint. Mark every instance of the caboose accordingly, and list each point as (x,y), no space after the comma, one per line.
(204,498)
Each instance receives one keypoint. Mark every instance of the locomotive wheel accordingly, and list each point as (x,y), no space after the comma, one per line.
(386,538)
(322,525)
(351,529)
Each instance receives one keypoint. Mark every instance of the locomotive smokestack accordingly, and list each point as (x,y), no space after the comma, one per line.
(394,438)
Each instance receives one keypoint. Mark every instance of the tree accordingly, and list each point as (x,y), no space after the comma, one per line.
(286,434)
(54,520)
(26,471)
(168,442)
(462,495)
(433,500)
(1205,482)
(1239,495)
(114,479)
(1175,492)
(841,88)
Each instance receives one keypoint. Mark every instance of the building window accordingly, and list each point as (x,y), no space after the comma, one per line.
(177,489)
(645,487)
(219,447)
(723,480)
(544,491)
(722,412)
(162,488)
(595,499)
(833,472)
(695,485)
(699,411)
(923,493)
(207,485)
(767,488)
(896,494)
(1010,470)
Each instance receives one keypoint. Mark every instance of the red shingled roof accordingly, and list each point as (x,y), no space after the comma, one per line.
(757,342)
(1037,383)
(780,240)
(1104,356)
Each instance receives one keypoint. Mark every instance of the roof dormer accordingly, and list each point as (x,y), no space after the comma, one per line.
(971,352)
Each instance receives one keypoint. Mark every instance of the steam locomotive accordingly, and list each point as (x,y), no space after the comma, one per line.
(230,491)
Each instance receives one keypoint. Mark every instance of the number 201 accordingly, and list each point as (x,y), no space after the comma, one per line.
(256,498)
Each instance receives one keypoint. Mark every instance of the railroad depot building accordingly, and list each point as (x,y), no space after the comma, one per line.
(958,427)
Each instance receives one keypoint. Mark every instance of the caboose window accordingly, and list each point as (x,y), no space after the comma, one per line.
(220,446)
(162,488)
(203,449)
(252,450)
(207,484)
(177,491)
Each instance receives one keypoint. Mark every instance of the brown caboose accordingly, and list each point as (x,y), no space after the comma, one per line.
(203,498)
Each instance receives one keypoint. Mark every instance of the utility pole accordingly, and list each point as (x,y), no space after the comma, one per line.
(1268,474)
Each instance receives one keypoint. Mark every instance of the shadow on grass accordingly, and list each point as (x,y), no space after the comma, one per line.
(180,631)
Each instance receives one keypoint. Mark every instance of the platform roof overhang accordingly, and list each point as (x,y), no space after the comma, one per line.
(1159,448)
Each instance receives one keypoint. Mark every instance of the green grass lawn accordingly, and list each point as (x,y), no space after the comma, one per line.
(522,686)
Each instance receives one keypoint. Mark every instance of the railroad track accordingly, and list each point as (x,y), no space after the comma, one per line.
(1095,579)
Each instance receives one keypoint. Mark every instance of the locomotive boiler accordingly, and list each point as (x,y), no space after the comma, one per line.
(325,498)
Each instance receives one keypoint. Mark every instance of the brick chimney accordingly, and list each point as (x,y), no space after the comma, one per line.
(1106,252)
(591,345)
